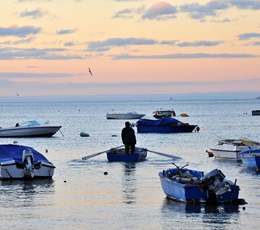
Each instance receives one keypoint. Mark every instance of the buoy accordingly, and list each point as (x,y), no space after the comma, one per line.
(184,114)
(105,173)
(197,129)
(46,150)
(84,134)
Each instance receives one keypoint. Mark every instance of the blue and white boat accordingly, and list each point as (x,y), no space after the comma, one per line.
(251,159)
(23,162)
(164,125)
(192,186)
(118,154)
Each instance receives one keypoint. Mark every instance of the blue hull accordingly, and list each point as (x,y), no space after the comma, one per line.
(165,129)
(140,154)
(191,192)
(251,159)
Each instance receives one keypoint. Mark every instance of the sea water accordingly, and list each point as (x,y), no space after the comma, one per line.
(129,195)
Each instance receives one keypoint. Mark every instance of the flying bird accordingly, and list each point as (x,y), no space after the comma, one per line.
(89,70)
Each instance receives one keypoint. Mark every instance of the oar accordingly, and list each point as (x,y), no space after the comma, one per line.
(164,154)
(96,154)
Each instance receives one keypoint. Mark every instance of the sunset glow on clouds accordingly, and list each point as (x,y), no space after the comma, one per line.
(131,46)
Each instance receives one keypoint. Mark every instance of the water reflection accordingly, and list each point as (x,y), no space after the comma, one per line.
(170,205)
(22,192)
(129,183)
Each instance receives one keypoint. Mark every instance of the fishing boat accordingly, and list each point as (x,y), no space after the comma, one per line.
(124,116)
(164,125)
(118,154)
(23,162)
(29,129)
(193,186)
(255,112)
(251,159)
(229,149)
(159,113)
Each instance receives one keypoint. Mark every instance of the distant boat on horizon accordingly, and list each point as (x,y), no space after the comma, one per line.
(258,97)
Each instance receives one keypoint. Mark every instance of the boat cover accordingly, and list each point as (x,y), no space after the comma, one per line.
(162,121)
(15,152)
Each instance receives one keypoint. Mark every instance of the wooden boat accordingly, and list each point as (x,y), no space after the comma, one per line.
(118,154)
(159,113)
(251,159)
(23,162)
(229,149)
(29,129)
(255,112)
(193,186)
(164,125)
(124,116)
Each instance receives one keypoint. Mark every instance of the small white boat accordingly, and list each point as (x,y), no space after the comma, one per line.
(159,113)
(29,129)
(230,149)
(125,116)
(23,162)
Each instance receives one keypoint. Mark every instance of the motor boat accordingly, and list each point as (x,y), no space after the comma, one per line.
(23,162)
(124,116)
(230,149)
(29,129)
(164,125)
(194,186)
(159,113)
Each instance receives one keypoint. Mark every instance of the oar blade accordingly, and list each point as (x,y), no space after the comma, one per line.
(165,155)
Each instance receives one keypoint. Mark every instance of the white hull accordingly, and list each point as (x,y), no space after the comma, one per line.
(9,170)
(33,131)
(124,116)
(231,150)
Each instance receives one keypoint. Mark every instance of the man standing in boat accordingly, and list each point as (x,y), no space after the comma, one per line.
(128,138)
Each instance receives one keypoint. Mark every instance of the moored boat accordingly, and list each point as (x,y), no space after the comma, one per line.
(23,162)
(229,149)
(255,112)
(164,125)
(251,159)
(159,113)
(29,129)
(126,116)
(118,154)
(193,186)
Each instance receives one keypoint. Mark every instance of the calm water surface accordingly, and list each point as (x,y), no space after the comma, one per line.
(80,196)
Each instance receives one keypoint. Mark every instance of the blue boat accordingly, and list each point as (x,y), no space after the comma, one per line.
(251,159)
(164,125)
(192,186)
(118,154)
(23,162)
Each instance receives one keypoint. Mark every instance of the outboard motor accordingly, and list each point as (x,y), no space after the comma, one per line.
(28,159)
(212,183)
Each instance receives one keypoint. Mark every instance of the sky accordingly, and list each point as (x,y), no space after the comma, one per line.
(132,47)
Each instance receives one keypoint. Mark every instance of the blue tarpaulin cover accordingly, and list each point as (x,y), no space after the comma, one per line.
(15,152)
(162,121)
